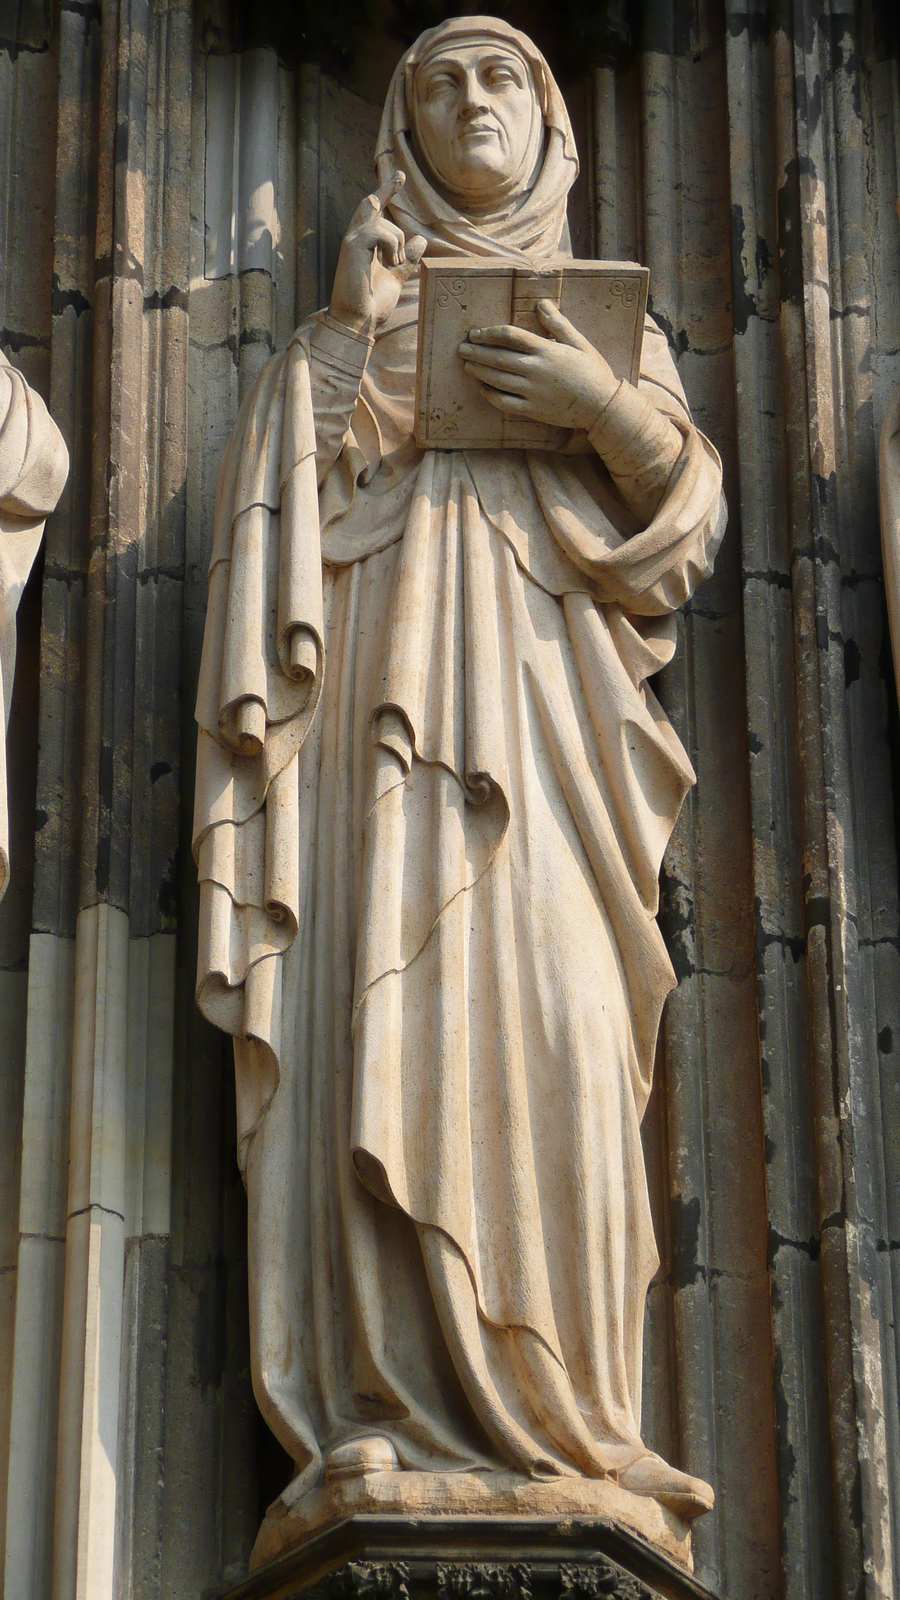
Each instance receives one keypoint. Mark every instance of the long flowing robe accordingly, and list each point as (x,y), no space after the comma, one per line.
(434,789)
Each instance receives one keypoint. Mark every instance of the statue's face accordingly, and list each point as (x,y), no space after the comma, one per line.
(474,111)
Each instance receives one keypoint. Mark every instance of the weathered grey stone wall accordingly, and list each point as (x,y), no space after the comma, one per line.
(28,74)
(813,138)
(750,155)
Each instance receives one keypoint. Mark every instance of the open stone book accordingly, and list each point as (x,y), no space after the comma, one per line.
(605,300)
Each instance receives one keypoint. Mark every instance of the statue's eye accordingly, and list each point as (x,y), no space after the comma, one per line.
(499,77)
(440,83)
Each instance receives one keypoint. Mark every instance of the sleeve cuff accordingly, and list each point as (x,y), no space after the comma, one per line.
(631,433)
(339,347)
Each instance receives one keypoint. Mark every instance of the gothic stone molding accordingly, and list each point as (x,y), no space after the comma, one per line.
(600,1579)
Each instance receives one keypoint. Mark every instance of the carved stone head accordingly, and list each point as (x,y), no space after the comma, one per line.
(479,129)
(477,117)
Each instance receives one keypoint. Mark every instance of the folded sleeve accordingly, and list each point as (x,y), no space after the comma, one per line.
(639,446)
(337,361)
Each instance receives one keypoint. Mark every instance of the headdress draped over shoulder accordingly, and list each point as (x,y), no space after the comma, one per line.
(531,221)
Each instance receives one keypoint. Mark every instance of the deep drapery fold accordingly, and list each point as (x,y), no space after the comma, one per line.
(440,789)
(262,647)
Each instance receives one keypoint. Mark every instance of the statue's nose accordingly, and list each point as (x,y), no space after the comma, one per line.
(474,98)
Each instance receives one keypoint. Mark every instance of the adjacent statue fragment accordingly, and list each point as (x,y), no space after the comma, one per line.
(433,794)
(34,464)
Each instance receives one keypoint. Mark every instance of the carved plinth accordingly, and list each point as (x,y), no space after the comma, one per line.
(472,1558)
(467,1496)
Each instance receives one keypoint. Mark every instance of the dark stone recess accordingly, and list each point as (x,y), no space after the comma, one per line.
(471,1558)
(571,34)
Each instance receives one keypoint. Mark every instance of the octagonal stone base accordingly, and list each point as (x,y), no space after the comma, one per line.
(513,1557)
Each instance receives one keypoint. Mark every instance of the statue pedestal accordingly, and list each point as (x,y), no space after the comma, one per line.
(370,1557)
(484,1496)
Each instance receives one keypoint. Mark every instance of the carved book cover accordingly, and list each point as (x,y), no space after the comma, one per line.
(605,300)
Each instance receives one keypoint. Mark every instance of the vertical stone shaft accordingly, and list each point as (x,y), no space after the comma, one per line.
(684,1031)
(310,290)
(159,583)
(84,1525)
(29,1508)
(120,1138)
(29,75)
(765,318)
(605,163)
(832,184)
(721,1369)
(823,839)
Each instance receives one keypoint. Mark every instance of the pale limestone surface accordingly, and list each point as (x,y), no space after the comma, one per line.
(433,792)
(34,464)
(465,1494)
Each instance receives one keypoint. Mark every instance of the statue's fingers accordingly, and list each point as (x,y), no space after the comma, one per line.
(389,240)
(415,249)
(507,360)
(512,382)
(373,205)
(511,338)
(515,405)
(386,191)
(560,327)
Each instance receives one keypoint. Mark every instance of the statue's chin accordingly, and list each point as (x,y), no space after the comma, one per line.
(482,177)
(474,176)
(476,183)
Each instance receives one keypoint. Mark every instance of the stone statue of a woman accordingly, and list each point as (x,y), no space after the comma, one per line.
(433,795)
(34,464)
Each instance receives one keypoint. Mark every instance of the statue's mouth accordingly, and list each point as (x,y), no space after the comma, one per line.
(480,130)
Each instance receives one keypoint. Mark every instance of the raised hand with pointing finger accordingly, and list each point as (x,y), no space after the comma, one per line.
(375,261)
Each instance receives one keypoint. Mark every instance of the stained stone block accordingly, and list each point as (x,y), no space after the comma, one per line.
(471,1558)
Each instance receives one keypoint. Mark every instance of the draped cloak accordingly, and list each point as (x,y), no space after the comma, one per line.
(429,882)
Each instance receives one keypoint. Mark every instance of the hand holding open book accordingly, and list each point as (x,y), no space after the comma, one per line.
(555,377)
(518,358)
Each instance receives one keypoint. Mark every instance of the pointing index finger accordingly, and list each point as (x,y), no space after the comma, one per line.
(384,194)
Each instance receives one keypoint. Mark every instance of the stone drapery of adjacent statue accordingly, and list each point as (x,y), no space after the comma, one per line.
(34,464)
(434,790)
